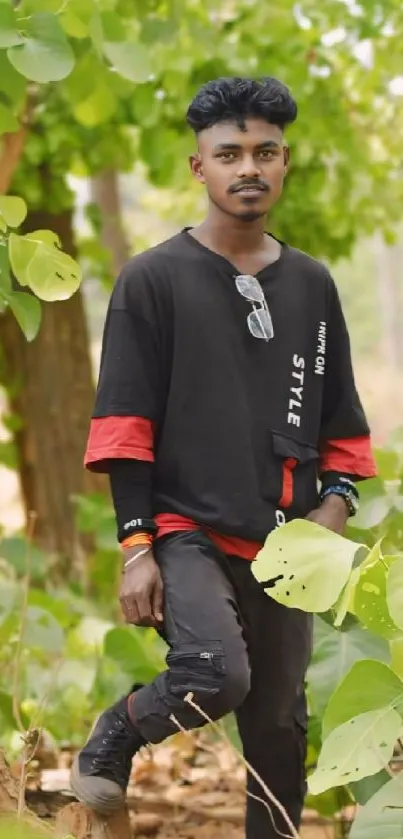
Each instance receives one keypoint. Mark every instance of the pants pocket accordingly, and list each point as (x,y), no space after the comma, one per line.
(196,668)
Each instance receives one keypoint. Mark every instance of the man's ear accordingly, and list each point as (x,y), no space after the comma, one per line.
(286,151)
(196,167)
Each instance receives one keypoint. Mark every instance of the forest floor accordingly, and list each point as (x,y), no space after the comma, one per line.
(191,787)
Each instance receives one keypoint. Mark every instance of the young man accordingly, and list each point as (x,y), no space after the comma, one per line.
(225,391)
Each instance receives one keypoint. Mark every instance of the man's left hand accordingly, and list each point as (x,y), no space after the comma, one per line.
(332,514)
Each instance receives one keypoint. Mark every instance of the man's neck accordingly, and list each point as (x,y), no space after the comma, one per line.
(231,236)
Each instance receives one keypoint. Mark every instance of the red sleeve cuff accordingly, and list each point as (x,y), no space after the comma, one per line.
(352,456)
(118,438)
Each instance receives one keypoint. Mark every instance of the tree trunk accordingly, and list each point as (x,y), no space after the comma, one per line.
(105,193)
(49,385)
(76,820)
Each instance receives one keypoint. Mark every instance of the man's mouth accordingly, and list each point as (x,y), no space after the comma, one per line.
(250,188)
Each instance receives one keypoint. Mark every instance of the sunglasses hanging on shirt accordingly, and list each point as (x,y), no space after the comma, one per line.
(259,321)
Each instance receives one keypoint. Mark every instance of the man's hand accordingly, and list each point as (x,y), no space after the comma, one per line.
(141,589)
(332,514)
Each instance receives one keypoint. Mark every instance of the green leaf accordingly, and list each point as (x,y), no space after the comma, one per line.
(8,592)
(382,817)
(14,550)
(357,749)
(27,312)
(37,261)
(7,711)
(364,789)
(394,590)
(370,601)
(131,60)
(42,630)
(128,646)
(396,650)
(45,55)
(13,85)
(96,108)
(8,121)
(305,565)
(13,209)
(9,35)
(334,653)
(382,688)
(5,279)
(374,505)
(344,602)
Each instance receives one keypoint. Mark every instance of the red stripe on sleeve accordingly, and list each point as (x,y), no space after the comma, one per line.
(353,456)
(118,437)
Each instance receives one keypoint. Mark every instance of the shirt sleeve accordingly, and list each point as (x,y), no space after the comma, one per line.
(345,444)
(128,398)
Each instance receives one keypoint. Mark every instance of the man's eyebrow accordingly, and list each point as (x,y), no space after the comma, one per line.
(268,144)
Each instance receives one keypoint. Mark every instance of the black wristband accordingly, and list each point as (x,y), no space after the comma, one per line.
(137,526)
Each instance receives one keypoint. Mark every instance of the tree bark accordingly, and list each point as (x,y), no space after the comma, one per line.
(105,193)
(76,820)
(49,385)
(8,788)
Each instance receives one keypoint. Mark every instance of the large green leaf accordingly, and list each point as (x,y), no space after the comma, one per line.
(304,565)
(27,312)
(38,262)
(5,279)
(358,748)
(9,34)
(382,817)
(396,650)
(334,653)
(14,550)
(130,59)
(13,209)
(382,688)
(394,587)
(45,55)
(370,603)
(129,647)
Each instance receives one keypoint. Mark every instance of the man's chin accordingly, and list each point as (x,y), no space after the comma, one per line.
(250,215)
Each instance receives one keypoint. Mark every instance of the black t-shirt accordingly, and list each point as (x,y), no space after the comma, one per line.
(227,408)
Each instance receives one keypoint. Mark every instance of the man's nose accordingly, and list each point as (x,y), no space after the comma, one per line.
(248,167)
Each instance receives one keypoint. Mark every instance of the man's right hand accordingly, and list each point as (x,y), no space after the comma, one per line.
(141,589)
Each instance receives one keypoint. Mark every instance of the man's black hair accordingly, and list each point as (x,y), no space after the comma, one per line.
(237,99)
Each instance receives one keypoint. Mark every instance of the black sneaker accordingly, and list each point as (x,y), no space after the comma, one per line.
(100,772)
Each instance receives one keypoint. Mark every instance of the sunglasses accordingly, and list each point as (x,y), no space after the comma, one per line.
(259,321)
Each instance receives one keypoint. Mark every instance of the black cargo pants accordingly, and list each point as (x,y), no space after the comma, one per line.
(236,650)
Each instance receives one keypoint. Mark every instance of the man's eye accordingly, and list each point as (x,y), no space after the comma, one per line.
(266,154)
(227,155)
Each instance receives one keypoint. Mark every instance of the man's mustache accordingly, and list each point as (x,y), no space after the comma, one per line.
(264,187)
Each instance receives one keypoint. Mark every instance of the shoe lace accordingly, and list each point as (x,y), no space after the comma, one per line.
(114,755)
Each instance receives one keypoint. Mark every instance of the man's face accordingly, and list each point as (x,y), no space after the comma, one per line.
(243,170)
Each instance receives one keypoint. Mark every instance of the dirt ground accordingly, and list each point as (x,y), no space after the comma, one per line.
(188,788)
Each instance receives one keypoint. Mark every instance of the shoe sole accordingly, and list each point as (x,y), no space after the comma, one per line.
(83,788)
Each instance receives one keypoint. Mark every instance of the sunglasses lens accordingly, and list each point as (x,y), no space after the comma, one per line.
(249,287)
(261,325)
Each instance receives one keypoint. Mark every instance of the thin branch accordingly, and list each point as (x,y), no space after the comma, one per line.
(250,768)
(20,642)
